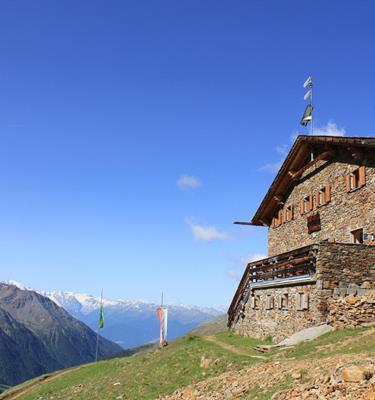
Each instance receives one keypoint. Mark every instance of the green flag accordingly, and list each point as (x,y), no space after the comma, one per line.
(101,318)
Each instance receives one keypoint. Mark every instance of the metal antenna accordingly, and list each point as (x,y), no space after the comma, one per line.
(312,107)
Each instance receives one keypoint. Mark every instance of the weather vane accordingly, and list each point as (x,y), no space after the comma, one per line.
(307,115)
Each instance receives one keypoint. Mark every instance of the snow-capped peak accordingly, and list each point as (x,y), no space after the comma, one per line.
(14,283)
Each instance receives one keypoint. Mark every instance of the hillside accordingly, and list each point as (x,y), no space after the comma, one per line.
(37,336)
(222,366)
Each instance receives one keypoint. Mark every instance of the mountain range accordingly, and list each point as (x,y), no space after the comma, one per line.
(38,336)
(131,323)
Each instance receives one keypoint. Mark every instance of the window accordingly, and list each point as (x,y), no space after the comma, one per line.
(306,204)
(255,300)
(289,213)
(302,301)
(269,302)
(357,236)
(277,219)
(323,196)
(284,301)
(356,179)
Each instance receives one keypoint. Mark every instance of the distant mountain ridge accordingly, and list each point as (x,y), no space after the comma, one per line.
(38,336)
(130,323)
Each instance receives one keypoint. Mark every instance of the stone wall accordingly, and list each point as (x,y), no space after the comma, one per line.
(352,311)
(279,322)
(341,270)
(342,215)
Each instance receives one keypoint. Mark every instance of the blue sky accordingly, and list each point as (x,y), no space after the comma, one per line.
(133,133)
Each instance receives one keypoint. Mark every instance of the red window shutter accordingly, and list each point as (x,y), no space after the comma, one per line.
(328,194)
(311,202)
(302,206)
(317,203)
(348,183)
(362,176)
(284,215)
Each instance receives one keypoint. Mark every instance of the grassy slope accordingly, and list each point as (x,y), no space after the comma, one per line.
(147,375)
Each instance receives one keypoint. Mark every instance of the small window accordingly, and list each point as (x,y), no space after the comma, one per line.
(277,219)
(269,302)
(356,179)
(289,213)
(357,236)
(323,197)
(307,204)
(255,300)
(302,301)
(284,301)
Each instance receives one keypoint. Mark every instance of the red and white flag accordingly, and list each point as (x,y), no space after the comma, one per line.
(162,313)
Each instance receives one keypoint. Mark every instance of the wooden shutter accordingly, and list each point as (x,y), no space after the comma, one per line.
(328,194)
(317,203)
(348,183)
(284,215)
(311,202)
(302,206)
(362,176)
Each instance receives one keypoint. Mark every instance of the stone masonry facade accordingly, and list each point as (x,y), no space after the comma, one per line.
(343,214)
(342,270)
(321,244)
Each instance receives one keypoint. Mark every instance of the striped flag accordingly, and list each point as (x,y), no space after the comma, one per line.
(162,313)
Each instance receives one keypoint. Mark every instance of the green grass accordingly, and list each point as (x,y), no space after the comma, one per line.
(147,375)
(334,343)
(240,342)
(143,376)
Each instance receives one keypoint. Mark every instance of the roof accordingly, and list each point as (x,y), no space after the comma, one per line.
(297,159)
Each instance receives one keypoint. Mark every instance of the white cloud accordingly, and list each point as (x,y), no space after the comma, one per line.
(252,257)
(330,129)
(188,182)
(233,275)
(206,233)
(272,167)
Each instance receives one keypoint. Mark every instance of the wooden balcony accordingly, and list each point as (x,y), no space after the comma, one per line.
(282,269)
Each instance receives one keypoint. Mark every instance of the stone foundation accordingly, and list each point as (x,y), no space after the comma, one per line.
(341,270)
(281,320)
(352,311)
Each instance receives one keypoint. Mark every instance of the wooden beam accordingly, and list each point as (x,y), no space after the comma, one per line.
(322,156)
(356,152)
(279,199)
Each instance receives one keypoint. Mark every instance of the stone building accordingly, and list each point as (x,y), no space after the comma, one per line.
(320,214)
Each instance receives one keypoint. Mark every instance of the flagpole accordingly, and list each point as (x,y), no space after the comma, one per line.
(97,335)
(312,108)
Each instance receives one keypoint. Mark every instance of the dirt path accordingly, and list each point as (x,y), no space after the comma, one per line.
(231,348)
(28,387)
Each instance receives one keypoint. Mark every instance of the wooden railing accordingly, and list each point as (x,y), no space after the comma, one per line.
(283,266)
